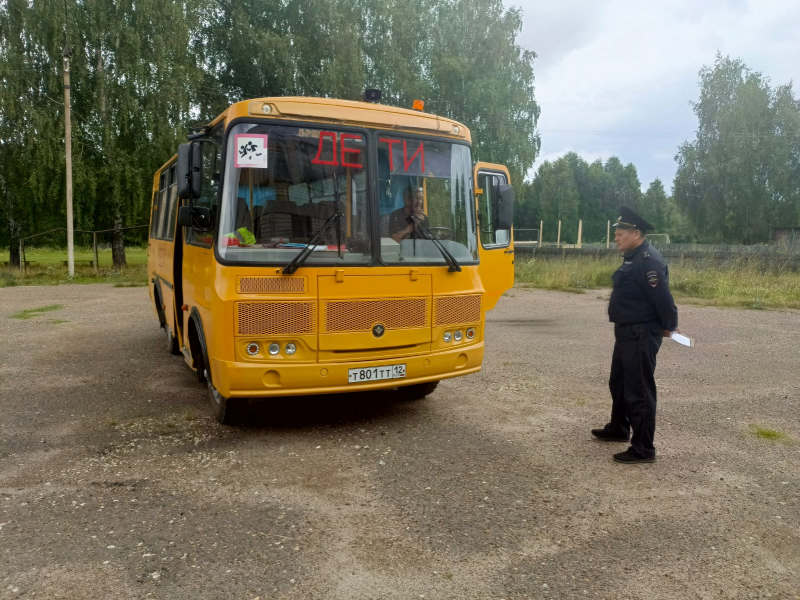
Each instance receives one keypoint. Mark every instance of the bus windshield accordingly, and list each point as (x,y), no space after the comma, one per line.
(424,189)
(284,184)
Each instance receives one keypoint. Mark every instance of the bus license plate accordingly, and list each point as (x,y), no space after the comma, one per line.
(376,373)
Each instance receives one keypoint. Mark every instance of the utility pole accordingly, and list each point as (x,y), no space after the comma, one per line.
(68,138)
(580,233)
(608,235)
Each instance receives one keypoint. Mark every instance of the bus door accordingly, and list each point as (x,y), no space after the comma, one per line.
(162,245)
(195,270)
(492,183)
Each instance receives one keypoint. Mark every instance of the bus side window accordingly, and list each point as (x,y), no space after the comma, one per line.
(171,209)
(212,162)
(154,213)
(489,234)
(161,201)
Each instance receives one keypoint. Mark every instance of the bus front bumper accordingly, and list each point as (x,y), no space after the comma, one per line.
(260,380)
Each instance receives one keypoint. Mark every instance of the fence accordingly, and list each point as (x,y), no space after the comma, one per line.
(526,235)
(782,256)
(95,263)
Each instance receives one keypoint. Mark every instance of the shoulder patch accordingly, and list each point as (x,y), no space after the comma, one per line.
(652,278)
(645,254)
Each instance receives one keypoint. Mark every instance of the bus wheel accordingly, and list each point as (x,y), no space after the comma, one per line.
(170,341)
(417,391)
(227,411)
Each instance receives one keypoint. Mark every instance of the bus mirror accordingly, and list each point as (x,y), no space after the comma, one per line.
(503,206)
(202,218)
(199,218)
(190,170)
(185,216)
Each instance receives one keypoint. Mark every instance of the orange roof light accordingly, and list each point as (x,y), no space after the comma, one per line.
(418,105)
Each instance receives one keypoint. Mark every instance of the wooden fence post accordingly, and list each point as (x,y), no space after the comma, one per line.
(541,227)
(96,262)
(580,233)
(558,241)
(22,256)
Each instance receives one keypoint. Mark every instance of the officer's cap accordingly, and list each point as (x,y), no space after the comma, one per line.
(629,219)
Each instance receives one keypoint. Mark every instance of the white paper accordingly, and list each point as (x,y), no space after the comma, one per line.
(682,339)
(251,151)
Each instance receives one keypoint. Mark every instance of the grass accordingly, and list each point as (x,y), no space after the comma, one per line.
(768,434)
(46,268)
(571,275)
(53,257)
(747,283)
(30,313)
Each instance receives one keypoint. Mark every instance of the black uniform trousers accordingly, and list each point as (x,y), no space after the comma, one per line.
(633,385)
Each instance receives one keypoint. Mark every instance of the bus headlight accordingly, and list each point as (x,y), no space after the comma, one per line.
(252,348)
(458,335)
(448,336)
(274,348)
(290,348)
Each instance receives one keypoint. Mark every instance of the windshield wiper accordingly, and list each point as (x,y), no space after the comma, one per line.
(298,260)
(452,264)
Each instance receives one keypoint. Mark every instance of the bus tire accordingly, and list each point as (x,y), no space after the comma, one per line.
(227,411)
(170,341)
(197,347)
(417,391)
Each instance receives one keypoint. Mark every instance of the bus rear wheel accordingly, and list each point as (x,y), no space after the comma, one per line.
(417,391)
(227,411)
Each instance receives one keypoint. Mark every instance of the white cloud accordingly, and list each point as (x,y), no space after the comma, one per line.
(617,76)
(663,156)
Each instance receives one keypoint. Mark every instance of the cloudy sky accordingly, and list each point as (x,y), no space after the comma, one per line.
(615,77)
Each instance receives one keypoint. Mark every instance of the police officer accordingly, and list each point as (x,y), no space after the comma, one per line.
(643,311)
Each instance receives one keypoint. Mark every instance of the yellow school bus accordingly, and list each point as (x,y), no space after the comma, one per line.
(314,246)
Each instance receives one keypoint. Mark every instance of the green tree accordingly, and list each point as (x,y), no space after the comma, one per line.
(134,99)
(655,205)
(739,177)
(558,199)
(31,123)
(569,189)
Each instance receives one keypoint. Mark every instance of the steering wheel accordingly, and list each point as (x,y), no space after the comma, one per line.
(442,233)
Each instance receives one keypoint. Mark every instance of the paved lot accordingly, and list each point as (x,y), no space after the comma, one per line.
(116,483)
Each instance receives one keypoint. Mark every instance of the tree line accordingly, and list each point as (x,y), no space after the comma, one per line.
(736,180)
(570,189)
(143,72)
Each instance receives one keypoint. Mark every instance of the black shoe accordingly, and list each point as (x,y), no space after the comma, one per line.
(629,457)
(607,436)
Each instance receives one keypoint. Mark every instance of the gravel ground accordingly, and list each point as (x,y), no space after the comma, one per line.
(115,482)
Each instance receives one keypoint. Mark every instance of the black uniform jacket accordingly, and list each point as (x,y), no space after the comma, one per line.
(641,290)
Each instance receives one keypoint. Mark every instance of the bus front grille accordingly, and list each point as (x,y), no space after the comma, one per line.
(275,318)
(361,315)
(271,285)
(456,310)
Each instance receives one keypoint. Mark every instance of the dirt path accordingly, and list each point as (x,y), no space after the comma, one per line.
(116,483)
